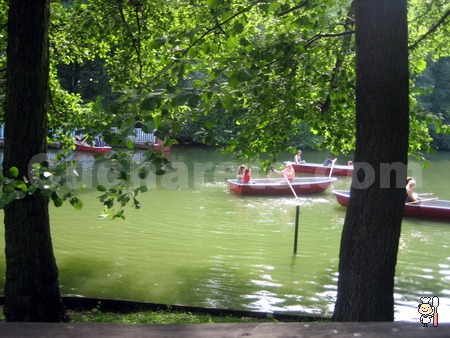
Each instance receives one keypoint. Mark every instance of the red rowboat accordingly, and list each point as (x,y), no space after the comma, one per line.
(83,146)
(431,208)
(279,186)
(155,145)
(320,170)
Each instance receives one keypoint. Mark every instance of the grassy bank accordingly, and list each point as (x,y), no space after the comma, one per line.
(158,317)
(100,310)
(154,317)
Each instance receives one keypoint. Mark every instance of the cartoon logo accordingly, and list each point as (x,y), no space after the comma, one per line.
(428,311)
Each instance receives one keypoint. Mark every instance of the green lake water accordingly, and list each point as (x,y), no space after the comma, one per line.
(194,243)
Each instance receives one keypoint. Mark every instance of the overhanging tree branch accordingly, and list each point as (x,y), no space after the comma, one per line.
(201,37)
(327,35)
(292,9)
(134,40)
(340,58)
(431,30)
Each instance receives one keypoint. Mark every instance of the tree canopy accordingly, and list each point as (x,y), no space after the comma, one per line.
(226,67)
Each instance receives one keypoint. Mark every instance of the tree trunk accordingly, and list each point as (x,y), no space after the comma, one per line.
(31,287)
(369,244)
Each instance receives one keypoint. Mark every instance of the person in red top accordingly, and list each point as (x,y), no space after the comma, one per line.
(240,172)
(247,176)
(288,172)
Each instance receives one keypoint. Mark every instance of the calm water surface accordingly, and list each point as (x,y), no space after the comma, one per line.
(194,243)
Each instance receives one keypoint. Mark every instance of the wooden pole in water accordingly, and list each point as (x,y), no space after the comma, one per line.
(297,213)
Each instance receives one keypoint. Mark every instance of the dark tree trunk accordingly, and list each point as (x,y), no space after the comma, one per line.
(31,287)
(369,244)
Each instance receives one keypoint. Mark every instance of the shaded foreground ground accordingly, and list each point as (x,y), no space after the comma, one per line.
(290,325)
(224,330)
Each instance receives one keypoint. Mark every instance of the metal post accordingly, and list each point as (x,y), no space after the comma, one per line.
(297,212)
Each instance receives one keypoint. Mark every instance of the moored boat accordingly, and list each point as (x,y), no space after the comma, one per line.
(83,146)
(157,146)
(321,170)
(279,186)
(429,208)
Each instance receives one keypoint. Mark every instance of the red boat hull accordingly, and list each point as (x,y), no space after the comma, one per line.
(320,170)
(155,146)
(432,209)
(301,186)
(90,149)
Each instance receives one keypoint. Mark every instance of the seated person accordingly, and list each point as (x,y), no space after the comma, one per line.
(298,157)
(247,176)
(288,172)
(240,171)
(99,142)
(328,161)
(411,196)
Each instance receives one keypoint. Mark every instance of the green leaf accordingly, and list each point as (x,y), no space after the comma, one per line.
(421,65)
(213,3)
(151,103)
(143,173)
(143,188)
(148,127)
(76,203)
(136,203)
(22,186)
(274,6)
(210,124)
(238,27)
(108,203)
(14,172)
(232,42)
(58,202)
(101,188)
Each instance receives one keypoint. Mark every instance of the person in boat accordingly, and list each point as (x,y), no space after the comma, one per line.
(411,195)
(247,176)
(240,172)
(298,157)
(288,172)
(99,142)
(327,161)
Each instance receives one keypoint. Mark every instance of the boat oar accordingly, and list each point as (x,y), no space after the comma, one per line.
(435,303)
(332,166)
(424,200)
(425,194)
(84,141)
(290,185)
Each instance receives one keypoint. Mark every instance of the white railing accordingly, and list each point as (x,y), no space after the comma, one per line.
(140,137)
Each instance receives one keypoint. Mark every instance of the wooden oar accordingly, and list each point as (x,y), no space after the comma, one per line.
(425,194)
(84,141)
(435,303)
(332,165)
(424,200)
(290,185)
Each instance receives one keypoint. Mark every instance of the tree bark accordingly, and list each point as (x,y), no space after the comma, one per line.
(31,286)
(369,244)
